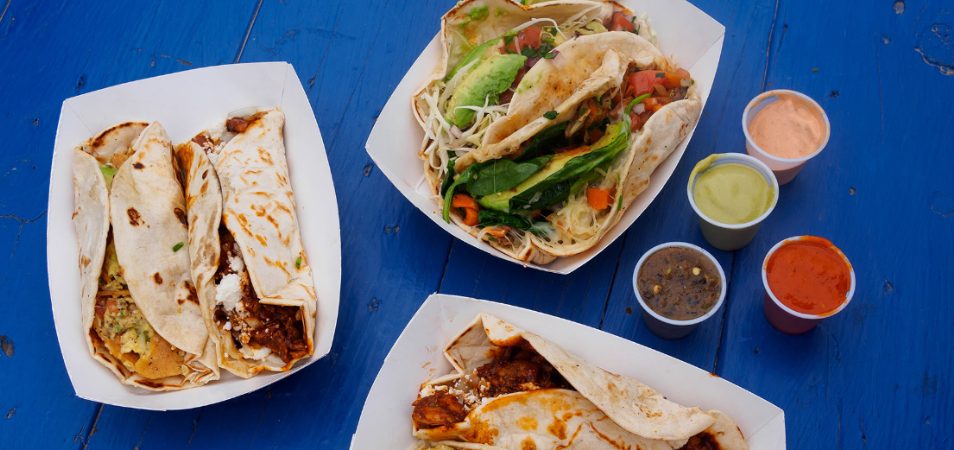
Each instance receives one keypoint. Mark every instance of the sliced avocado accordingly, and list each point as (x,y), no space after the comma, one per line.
(491,77)
(471,56)
(554,182)
(108,173)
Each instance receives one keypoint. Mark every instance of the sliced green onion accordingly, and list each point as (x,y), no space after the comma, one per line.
(636,101)
(178,246)
(550,115)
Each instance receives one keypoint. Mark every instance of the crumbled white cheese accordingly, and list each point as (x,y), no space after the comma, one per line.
(255,353)
(236,263)
(229,292)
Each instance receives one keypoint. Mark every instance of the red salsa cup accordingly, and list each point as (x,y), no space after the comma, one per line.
(807,279)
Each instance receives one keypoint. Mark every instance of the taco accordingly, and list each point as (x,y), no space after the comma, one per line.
(546,121)
(140,310)
(513,389)
(253,278)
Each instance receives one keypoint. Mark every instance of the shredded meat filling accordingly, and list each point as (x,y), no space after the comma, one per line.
(277,328)
(701,441)
(518,368)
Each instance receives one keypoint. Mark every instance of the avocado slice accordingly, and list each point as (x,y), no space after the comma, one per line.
(491,77)
(553,183)
(471,56)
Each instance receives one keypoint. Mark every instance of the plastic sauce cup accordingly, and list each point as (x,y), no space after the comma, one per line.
(785,168)
(787,319)
(663,326)
(728,236)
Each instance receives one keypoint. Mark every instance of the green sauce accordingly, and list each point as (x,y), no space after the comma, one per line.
(730,193)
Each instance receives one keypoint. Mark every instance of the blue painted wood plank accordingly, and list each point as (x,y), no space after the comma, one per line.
(54,50)
(393,255)
(874,376)
(670,218)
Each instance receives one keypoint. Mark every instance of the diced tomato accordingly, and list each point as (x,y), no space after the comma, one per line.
(467,204)
(642,82)
(652,104)
(619,22)
(598,199)
(528,37)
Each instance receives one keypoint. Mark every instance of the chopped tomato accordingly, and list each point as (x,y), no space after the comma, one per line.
(642,82)
(599,199)
(528,37)
(652,104)
(467,204)
(619,22)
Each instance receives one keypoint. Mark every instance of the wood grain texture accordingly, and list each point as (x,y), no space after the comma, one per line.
(876,376)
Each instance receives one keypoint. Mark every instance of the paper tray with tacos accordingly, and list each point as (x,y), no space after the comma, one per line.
(468,373)
(545,129)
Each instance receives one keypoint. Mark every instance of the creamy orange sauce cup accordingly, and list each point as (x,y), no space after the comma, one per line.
(786,317)
(784,129)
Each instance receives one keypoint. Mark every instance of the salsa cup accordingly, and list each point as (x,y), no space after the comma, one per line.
(665,327)
(729,236)
(786,319)
(785,168)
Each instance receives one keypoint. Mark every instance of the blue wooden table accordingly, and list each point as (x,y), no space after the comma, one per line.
(879,375)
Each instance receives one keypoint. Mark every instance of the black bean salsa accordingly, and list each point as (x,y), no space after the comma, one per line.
(679,283)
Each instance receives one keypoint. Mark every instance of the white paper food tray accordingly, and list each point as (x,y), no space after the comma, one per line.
(186,103)
(417,356)
(684,33)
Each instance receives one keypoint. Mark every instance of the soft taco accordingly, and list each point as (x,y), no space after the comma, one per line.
(253,278)
(513,389)
(140,310)
(545,121)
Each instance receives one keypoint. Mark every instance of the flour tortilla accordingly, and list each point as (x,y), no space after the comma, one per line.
(248,189)
(583,68)
(146,184)
(561,84)
(639,414)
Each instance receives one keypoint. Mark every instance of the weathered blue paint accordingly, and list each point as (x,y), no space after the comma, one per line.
(879,375)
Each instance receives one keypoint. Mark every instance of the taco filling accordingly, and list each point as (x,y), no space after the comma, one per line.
(566,180)
(513,369)
(538,139)
(121,328)
(257,329)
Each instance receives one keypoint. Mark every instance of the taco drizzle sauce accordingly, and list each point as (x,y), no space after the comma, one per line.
(517,368)
(277,328)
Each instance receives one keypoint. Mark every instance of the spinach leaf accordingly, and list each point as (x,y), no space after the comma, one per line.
(489,217)
(463,178)
(449,176)
(557,187)
(503,174)
(545,141)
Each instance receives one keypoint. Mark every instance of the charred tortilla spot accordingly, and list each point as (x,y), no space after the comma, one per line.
(205,173)
(138,165)
(192,297)
(204,188)
(202,140)
(84,261)
(181,215)
(264,156)
(98,140)
(134,218)
(157,278)
(261,239)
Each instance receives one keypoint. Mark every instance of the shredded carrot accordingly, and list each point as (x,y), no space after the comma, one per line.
(599,199)
(469,207)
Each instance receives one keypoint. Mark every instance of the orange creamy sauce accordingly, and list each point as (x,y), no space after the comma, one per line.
(789,127)
(809,276)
